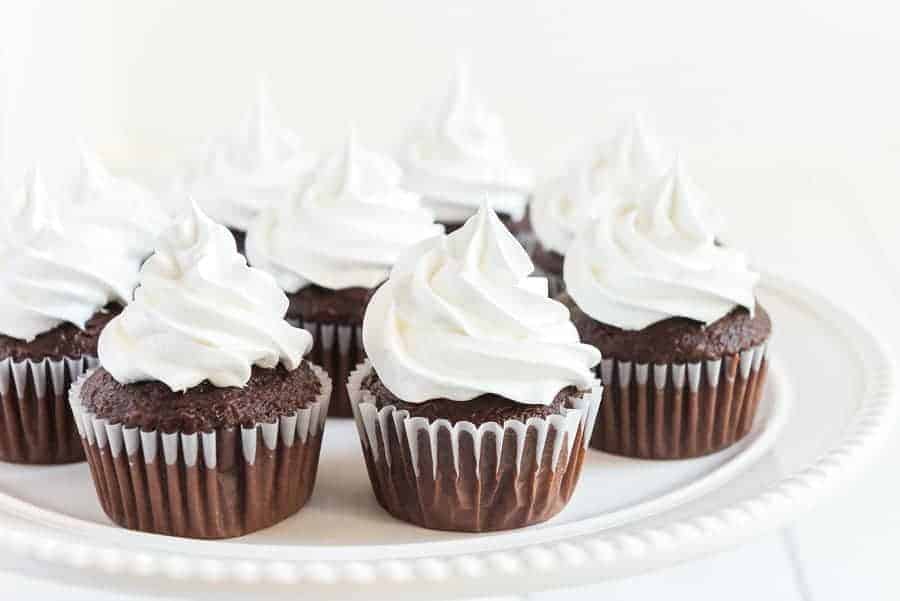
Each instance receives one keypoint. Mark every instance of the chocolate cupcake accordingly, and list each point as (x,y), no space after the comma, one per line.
(603,175)
(242,172)
(204,420)
(475,410)
(673,312)
(60,284)
(457,154)
(332,244)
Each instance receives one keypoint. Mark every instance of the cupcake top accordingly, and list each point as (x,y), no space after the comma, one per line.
(114,211)
(609,172)
(460,317)
(346,227)
(458,153)
(200,313)
(248,170)
(645,261)
(49,275)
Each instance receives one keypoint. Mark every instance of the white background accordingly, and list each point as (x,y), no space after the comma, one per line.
(787,113)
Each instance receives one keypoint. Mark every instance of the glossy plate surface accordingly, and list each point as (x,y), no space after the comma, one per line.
(828,403)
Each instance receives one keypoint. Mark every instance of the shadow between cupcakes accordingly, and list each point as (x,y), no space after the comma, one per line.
(334,318)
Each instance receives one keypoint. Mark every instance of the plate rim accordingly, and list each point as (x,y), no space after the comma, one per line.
(626,547)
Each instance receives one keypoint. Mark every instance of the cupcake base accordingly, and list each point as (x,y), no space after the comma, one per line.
(677,411)
(36,426)
(337,349)
(218,484)
(334,319)
(462,477)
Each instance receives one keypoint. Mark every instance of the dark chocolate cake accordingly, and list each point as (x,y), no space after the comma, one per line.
(480,410)
(548,261)
(316,303)
(677,339)
(65,340)
(268,395)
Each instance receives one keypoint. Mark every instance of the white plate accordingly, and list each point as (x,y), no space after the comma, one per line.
(626,516)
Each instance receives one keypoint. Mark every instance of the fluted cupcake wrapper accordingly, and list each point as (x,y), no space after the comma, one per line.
(464,477)
(217,484)
(36,425)
(338,349)
(674,411)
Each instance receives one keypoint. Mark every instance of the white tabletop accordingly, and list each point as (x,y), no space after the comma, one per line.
(789,120)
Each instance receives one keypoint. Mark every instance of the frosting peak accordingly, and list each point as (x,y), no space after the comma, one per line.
(635,154)
(355,176)
(253,167)
(48,275)
(345,228)
(610,172)
(460,317)
(37,213)
(645,261)
(114,214)
(674,207)
(260,137)
(200,313)
(465,130)
(459,153)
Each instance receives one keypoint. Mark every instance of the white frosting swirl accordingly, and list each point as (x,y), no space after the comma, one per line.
(458,154)
(460,317)
(200,313)
(243,173)
(635,157)
(640,263)
(114,213)
(347,227)
(48,275)
(612,171)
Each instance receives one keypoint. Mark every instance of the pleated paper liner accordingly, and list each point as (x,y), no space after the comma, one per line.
(675,411)
(36,425)
(471,478)
(338,349)
(218,484)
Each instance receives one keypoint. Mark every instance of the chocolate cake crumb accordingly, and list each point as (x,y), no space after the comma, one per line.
(65,340)
(674,340)
(480,410)
(268,395)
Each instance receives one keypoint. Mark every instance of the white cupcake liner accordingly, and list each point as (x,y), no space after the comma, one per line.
(441,480)
(217,484)
(35,423)
(670,411)
(338,349)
